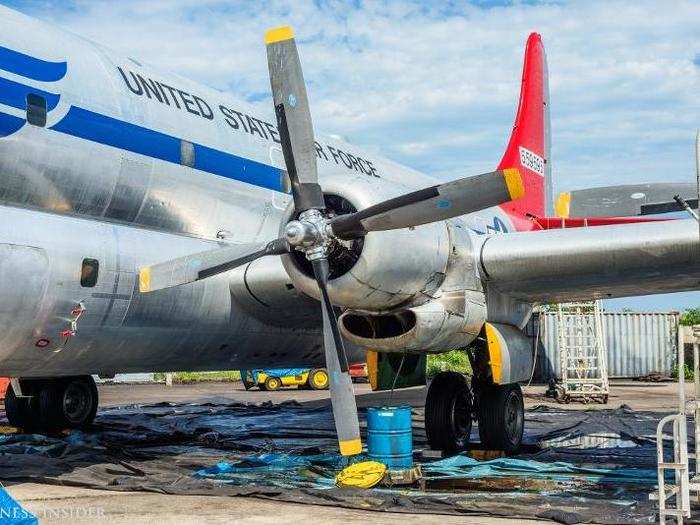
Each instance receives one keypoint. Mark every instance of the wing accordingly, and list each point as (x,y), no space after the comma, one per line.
(594,263)
(621,201)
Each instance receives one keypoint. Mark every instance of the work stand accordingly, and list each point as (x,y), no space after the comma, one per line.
(674,498)
(582,350)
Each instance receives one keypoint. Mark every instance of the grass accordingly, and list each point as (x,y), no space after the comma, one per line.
(455,360)
(689,375)
(196,377)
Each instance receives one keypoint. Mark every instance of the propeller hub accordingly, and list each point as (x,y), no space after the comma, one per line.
(310,234)
(301,234)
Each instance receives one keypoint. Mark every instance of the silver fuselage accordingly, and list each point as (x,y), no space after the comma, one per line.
(135,166)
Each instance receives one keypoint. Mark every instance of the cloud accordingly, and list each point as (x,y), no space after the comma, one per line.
(435,86)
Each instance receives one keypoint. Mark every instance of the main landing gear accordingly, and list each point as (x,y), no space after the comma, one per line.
(52,404)
(451,405)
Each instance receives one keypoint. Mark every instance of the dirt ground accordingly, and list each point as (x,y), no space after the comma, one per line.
(67,505)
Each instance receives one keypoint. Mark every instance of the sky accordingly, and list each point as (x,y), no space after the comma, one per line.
(434,85)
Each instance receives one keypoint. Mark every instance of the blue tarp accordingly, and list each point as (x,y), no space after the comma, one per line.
(284,469)
(467,467)
(12,513)
(288,452)
(280,469)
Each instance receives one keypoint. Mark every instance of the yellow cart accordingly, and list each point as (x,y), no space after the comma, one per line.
(276,378)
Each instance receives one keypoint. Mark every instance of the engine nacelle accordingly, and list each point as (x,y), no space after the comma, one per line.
(264,290)
(385,269)
(452,318)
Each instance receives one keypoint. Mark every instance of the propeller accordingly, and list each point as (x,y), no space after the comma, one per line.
(195,267)
(293,118)
(313,232)
(436,203)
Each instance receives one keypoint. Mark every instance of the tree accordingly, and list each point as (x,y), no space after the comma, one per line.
(690,317)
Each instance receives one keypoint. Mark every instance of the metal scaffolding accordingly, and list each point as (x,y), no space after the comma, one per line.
(584,371)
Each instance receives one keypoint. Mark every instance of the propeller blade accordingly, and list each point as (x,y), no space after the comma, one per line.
(347,424)
(201,265)
(436,203)
(293,118)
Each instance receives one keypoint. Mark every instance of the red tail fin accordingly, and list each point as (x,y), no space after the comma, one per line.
(528,148)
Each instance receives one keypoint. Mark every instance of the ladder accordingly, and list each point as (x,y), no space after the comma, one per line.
(679,491)
(582,360)
(679,465)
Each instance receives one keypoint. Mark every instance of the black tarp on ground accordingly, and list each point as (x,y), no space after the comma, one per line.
(578,466)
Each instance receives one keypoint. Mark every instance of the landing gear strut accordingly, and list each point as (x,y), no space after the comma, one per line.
(450,407)
(53,404)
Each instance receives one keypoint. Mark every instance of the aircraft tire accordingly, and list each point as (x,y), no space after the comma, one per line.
(68,403)
(20,410)
(448,412)
(50,406)
(89,389)
(501,417)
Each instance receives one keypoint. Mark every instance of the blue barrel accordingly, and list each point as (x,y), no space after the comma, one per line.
(390,437)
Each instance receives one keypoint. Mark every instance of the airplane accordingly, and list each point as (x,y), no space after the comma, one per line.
(149,223)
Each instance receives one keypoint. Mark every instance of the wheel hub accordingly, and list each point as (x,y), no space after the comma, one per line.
(320,379)
(513,418)
(76,402)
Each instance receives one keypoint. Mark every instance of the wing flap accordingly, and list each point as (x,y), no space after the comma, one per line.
(594,263)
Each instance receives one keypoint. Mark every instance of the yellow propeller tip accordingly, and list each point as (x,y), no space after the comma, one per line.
(563,205)
(145,279)
(350,447)
(514,183)
(279,34)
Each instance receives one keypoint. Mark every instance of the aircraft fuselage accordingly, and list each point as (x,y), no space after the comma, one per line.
(126,165)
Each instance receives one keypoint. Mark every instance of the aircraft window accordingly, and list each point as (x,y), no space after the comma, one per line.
(88,273)
(36,110)
(187,153)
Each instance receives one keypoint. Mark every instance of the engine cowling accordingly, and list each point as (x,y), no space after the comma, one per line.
(452,318)
(384,269)
(413,289)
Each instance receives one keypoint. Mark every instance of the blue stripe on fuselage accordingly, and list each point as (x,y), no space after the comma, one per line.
(9,124)
(15,94)
(30,67)
(106,130)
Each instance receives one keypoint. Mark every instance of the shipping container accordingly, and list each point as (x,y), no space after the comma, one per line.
(638,344)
